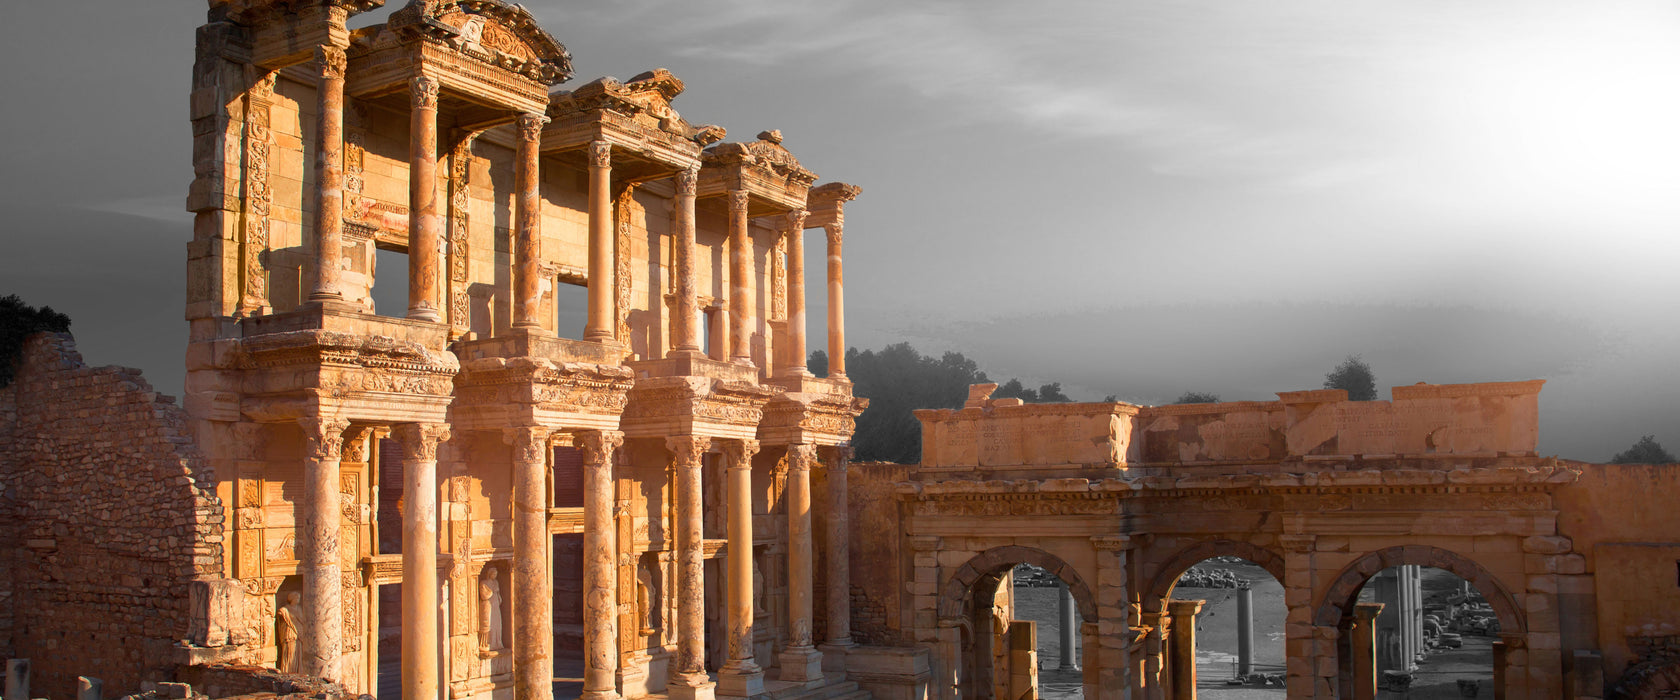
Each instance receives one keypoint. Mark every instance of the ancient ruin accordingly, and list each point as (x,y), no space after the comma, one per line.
(454,499)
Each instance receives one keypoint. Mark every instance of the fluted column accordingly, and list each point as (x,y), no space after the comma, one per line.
(740,272)
(317,549)
(533,596)
(419,558)
(689,681)
(796,291)
(741,675)
(687,321)
(329,173)
(1363,645)
(839,553)
(527,246)
(1184,647)
(601,326)
(801,661)
(425,223)
(600,565)
(836,302)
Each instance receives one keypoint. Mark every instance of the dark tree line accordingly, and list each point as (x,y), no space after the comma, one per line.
(18,321)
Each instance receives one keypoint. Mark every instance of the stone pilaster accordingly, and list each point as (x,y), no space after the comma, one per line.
(600,560)
(741,320)
(317,548)
(1364,649)
(836,301)
(839,559)
(329,173)
(801,661)
(689,680)
(687,320)
(796,292)
(425,221)
(1183,652)
(602,273)
(419,557)
(741,675)
(533,594)
(1299,647)
(527,246)
(1106,659)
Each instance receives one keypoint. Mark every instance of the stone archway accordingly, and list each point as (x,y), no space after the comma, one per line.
(1161,586)
(1335,608)
(980,577)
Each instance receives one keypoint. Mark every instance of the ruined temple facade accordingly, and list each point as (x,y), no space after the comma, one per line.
(455,492)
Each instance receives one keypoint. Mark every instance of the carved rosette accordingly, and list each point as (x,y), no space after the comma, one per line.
(258,197)
(460,205)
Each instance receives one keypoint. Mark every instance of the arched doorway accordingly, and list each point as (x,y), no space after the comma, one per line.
(978,599)
(1338,609)
(1216,614)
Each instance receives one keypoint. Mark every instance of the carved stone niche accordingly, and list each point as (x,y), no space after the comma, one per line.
(495,621)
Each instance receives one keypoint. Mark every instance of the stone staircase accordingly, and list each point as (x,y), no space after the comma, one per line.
(833,686)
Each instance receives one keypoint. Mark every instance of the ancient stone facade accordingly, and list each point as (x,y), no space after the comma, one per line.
(1577,560)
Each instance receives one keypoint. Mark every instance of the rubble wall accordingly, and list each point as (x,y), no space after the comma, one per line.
(109,513)
(879,564)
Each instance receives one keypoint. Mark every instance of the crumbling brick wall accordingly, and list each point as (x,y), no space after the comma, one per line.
(108,513)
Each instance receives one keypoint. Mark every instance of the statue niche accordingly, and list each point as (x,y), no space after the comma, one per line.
(491,636)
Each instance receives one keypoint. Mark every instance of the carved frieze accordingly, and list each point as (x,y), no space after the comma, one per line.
(258,197)
(578,387)
(460,204)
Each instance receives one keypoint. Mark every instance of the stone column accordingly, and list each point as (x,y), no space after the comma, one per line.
(689,681)
(602,326)
(1064,629)
(740,676)
(1183,614)
(800,661)
(1501,657)
(321,638)
(420,643)
(1364,648)
(687,321)
(533,596)
(1245,631)
(796,291)
(329,173)
(836,302)
(527,245)
(839,555)
(17,679)
(740,273)
(600,564)
(425,223)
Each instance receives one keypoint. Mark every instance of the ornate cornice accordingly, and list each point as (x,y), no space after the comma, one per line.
(498,33)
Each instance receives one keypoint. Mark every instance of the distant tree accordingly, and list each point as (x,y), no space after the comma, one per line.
(1646,451)
(1197,397)
(1052,393)
(1354,376)
(817,363)
(18,321)
(1111,398)
(1048,393)
(898,380)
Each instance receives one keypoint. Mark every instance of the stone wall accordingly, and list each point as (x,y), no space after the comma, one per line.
(107,516)
(878,566)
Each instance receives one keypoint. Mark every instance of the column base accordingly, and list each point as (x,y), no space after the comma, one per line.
(801,664)
(743,681)
(691,687)
(834,655)
(599,695)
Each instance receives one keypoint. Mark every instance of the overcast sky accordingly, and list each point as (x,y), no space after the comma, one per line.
(1131,198)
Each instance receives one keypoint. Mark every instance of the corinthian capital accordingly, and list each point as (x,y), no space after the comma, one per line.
(600,154)
(530,126)
(800,457)
(424,92)
(688,181)
(836,233)
(420,440)
(796,221)
(324,437)
(738,201)
(331,61)
(688,448)
(598,446)
(740,452)
(530,444)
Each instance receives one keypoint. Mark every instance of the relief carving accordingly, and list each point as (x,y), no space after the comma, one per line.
(423,92)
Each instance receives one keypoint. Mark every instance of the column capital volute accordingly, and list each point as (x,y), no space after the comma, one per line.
(423,92)
(598,446)
(420,440)
(687,181)
(331,61)
(324,437)
(687,448)
(738,200)
(740,452)
(600,154)
(530,126)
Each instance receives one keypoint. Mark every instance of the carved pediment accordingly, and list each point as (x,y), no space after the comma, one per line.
(496,32)
(645,98)
(766,154)
(253,11)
